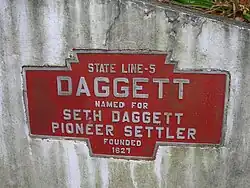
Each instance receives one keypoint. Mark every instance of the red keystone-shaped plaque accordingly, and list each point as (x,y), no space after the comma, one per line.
(125,104)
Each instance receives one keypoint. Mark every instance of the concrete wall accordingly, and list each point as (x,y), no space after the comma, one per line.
(36,32)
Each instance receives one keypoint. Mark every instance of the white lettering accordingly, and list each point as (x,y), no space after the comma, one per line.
(98,115)
(146,117)
(178,115)
(125,117)
(156,117)
(55,126)
(138,87)
(122,142)
(115,116)
(138,131)
(125,90)
(159,129)
(79,128)
(59,80)
(149,129)
(128,131)
(76,114)
(98,130)
(109,130)
(179,133)
(90,67)
(135,117)
(66,114)
(104,89)
(82,87)
(167,114)
(69,128)
(191,133)
(88,129)
(168,136)
(160,82)
(181,82)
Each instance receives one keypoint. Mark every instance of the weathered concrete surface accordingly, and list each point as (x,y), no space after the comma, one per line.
(36,32)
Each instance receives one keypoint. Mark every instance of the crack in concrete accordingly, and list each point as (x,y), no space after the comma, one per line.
(172,16)
(169,58)
(174,19)
(113,23)
(200,29)
(147,12)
